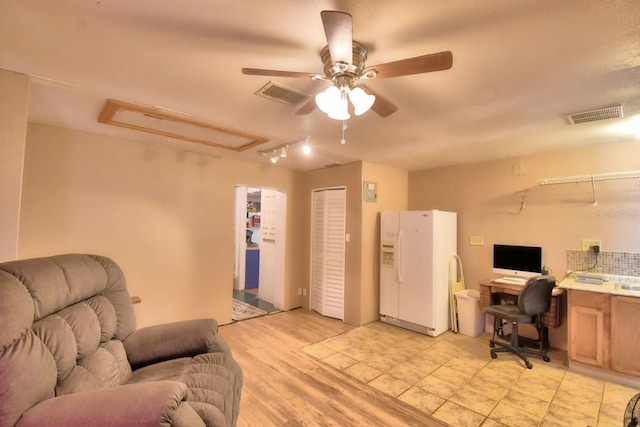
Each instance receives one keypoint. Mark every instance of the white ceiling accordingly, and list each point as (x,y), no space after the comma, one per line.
(519,67)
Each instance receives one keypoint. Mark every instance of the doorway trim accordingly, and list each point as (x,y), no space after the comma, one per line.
(272,221)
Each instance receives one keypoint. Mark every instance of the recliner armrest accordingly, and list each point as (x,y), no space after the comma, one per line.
(145,404)
(169,341)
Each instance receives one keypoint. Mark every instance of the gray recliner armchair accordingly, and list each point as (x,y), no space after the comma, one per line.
(70,353)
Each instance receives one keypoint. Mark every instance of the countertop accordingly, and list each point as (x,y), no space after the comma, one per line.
(602,283)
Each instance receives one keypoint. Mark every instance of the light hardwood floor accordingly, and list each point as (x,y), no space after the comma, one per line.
(302,369)
(284,386)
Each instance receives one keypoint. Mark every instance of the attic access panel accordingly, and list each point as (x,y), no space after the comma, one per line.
(174,125)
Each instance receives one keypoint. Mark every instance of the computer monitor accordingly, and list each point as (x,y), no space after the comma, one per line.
(517,261)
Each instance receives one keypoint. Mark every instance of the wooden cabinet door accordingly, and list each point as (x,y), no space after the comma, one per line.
(586,335)
(625,339)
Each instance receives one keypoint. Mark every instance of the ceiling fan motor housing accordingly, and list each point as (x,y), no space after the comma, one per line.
(343,74)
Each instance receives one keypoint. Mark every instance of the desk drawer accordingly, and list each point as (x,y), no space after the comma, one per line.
(490,294)
(555,316)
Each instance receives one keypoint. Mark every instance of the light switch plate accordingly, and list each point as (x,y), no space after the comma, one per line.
(476,240)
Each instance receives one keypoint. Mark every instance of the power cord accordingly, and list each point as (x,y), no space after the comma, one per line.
(596,253)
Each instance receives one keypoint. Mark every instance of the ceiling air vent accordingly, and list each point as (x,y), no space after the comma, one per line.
(596,115)
(281,93)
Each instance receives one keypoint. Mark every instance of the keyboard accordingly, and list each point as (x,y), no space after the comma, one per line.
(510,280)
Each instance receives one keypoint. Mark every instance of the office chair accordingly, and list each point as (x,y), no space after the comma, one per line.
(533,301)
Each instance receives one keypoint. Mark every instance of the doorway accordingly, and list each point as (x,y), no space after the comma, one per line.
(260,232)
(328,230)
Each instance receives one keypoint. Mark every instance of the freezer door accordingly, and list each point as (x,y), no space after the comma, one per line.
(388,264)
(415,265)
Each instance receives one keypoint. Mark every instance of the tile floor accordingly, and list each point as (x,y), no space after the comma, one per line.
(453,378)
(251,298)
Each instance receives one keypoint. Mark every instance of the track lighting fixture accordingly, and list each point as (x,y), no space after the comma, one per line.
(281,151)
(275,157)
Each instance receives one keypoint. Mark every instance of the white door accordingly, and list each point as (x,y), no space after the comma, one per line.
(389,224)
(272,247)
(240,238)
(328,227)
(415,294)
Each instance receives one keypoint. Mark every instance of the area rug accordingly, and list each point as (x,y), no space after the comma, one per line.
(243,311)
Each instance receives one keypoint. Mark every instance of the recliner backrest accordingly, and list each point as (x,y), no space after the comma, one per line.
(63,321)
(535,297)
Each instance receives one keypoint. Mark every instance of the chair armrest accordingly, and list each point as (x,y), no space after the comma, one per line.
(145,404)
(169,341)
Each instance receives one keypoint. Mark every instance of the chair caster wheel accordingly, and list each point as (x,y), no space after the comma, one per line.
(546,358)
(528,365)
(493,355)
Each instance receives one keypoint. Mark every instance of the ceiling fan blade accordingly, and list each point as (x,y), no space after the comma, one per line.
(276,73)
(308,108)
(420,64)
(382,105)
(338,28)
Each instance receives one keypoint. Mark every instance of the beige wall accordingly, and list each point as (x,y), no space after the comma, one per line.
(165,215)
(487,197)
(362,289)
(348,176)
(14,90)
(392,196)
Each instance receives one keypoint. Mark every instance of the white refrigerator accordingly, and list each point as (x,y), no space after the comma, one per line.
(415,249)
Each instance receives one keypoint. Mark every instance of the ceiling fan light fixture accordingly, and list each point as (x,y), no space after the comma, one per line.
(333,103)
(361,100)
(340,110)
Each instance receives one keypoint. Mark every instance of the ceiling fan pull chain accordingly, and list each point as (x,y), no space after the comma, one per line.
(344,128)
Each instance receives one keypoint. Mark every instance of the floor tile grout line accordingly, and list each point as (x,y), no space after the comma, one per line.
(471,351)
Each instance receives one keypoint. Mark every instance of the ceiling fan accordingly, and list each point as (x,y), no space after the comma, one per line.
(344,65)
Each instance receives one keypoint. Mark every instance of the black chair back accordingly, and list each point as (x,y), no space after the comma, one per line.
(535,297)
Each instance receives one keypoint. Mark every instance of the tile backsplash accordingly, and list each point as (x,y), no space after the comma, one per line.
(618,263)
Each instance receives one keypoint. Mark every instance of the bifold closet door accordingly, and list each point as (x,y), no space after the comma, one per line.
(328,227)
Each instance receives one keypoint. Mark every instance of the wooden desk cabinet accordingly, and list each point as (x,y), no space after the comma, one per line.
(490,294)
(588,321)
(625,340)
(603,331)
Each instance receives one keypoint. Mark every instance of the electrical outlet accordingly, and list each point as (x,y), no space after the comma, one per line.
(476,240)
(587,244)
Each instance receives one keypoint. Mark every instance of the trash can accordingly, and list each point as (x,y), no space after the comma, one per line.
(470,317)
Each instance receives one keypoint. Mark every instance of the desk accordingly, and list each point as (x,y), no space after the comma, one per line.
(491,292)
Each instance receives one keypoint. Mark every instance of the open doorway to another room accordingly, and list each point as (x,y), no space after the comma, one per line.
(259,258)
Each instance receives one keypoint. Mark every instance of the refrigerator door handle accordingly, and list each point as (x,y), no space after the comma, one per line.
(398,257)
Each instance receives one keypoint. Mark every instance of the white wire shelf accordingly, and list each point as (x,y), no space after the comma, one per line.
(575,179)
